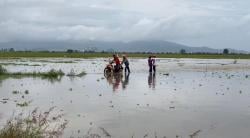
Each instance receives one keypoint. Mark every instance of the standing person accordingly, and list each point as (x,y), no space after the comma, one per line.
(126,62)
(153,64)
(150,64)
(125,82)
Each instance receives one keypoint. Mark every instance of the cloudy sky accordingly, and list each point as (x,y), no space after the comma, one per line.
(213,23)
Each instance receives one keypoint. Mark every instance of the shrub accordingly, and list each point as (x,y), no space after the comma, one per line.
(35,125)
(53,73)
(2,70)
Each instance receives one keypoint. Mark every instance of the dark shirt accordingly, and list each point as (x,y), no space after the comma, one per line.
(125,61)
(150,62)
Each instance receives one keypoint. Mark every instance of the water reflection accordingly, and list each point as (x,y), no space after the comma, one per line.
(117,81)
(125,82)
(151,80)
(49,79)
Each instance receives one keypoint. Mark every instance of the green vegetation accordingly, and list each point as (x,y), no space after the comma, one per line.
(35,125)
(15,92)
(26,92)
(50,74)
(48,61)
(2,70)
(24,104)
(182,51)
(73,74)
(83,73)
(19,64)
(225,51)
(102,54)
(52,80)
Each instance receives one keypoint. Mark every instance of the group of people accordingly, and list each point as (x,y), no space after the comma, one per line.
(116,80)
(118,64)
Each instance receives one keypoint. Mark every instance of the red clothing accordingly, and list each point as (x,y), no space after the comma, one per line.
(117,61)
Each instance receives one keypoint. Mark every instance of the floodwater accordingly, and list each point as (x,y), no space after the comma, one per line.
(185,98)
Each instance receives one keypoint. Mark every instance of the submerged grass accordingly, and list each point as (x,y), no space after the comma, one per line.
(73,74)
(51,61)
(52,80)
(83,73)
(35,125)
(2,70)
(50,74)
(19,64)
(24,104)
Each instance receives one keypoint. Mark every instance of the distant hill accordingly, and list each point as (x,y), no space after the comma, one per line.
(118,46)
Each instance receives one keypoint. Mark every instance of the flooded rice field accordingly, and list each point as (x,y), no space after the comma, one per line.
(185,98)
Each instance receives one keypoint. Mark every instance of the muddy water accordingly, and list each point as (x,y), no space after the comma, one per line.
(201,98)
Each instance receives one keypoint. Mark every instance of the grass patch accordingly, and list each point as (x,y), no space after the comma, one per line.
(19,64)
(24,104)
(50,61)
(83,73)
(73,74)
(2,70)
(50,74)
(26,92)
(35,125)
(15,92)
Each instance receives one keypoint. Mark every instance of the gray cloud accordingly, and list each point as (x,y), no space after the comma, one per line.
(213,23)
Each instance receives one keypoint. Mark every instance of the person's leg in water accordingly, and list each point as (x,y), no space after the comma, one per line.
(150,79)
(150,68)
(127,68)
(154,68)
(153,81)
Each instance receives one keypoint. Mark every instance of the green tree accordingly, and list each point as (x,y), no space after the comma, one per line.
(11,50)
(225,51)
(70,51)
(182,51)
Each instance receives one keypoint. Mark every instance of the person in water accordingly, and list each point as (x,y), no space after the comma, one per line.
(151,64)
(154,65)
(126,63)
(117,62)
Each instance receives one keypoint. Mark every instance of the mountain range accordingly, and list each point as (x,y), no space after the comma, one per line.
(116,46)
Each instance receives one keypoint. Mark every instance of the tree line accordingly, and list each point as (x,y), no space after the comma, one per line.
(182,51)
